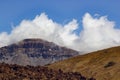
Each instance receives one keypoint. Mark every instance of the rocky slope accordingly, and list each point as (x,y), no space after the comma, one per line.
(102,65)
(15,72)
(34,52)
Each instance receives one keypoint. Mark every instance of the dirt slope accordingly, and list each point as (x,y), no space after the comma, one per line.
(102,65)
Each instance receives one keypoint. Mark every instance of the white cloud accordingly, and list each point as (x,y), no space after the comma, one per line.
(97,33)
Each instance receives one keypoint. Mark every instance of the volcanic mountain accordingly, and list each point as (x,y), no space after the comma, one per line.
(34,52)
(102,65)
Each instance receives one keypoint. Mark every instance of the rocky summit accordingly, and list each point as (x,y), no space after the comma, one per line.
(34,52)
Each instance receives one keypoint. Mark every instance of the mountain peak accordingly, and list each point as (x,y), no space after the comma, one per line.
(34,52)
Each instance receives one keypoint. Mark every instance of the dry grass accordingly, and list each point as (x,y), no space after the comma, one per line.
(94,64)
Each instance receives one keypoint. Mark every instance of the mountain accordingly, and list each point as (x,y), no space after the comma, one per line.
(16,72)
(34,52)
(102,65)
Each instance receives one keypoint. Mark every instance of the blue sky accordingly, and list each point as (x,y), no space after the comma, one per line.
(12,12)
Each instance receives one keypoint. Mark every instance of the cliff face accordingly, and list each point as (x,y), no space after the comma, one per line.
(34,52)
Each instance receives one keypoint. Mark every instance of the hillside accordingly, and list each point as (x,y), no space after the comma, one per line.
(16,72)
(102,65)
(34,52)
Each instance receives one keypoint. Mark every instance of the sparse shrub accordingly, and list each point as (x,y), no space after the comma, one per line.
(109,64)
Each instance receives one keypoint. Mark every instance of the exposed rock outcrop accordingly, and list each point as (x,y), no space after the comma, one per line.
(15,72)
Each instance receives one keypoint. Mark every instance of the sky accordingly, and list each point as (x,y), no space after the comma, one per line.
(69,20)
(12,12)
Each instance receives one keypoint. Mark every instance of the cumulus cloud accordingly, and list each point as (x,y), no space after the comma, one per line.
(97,33)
